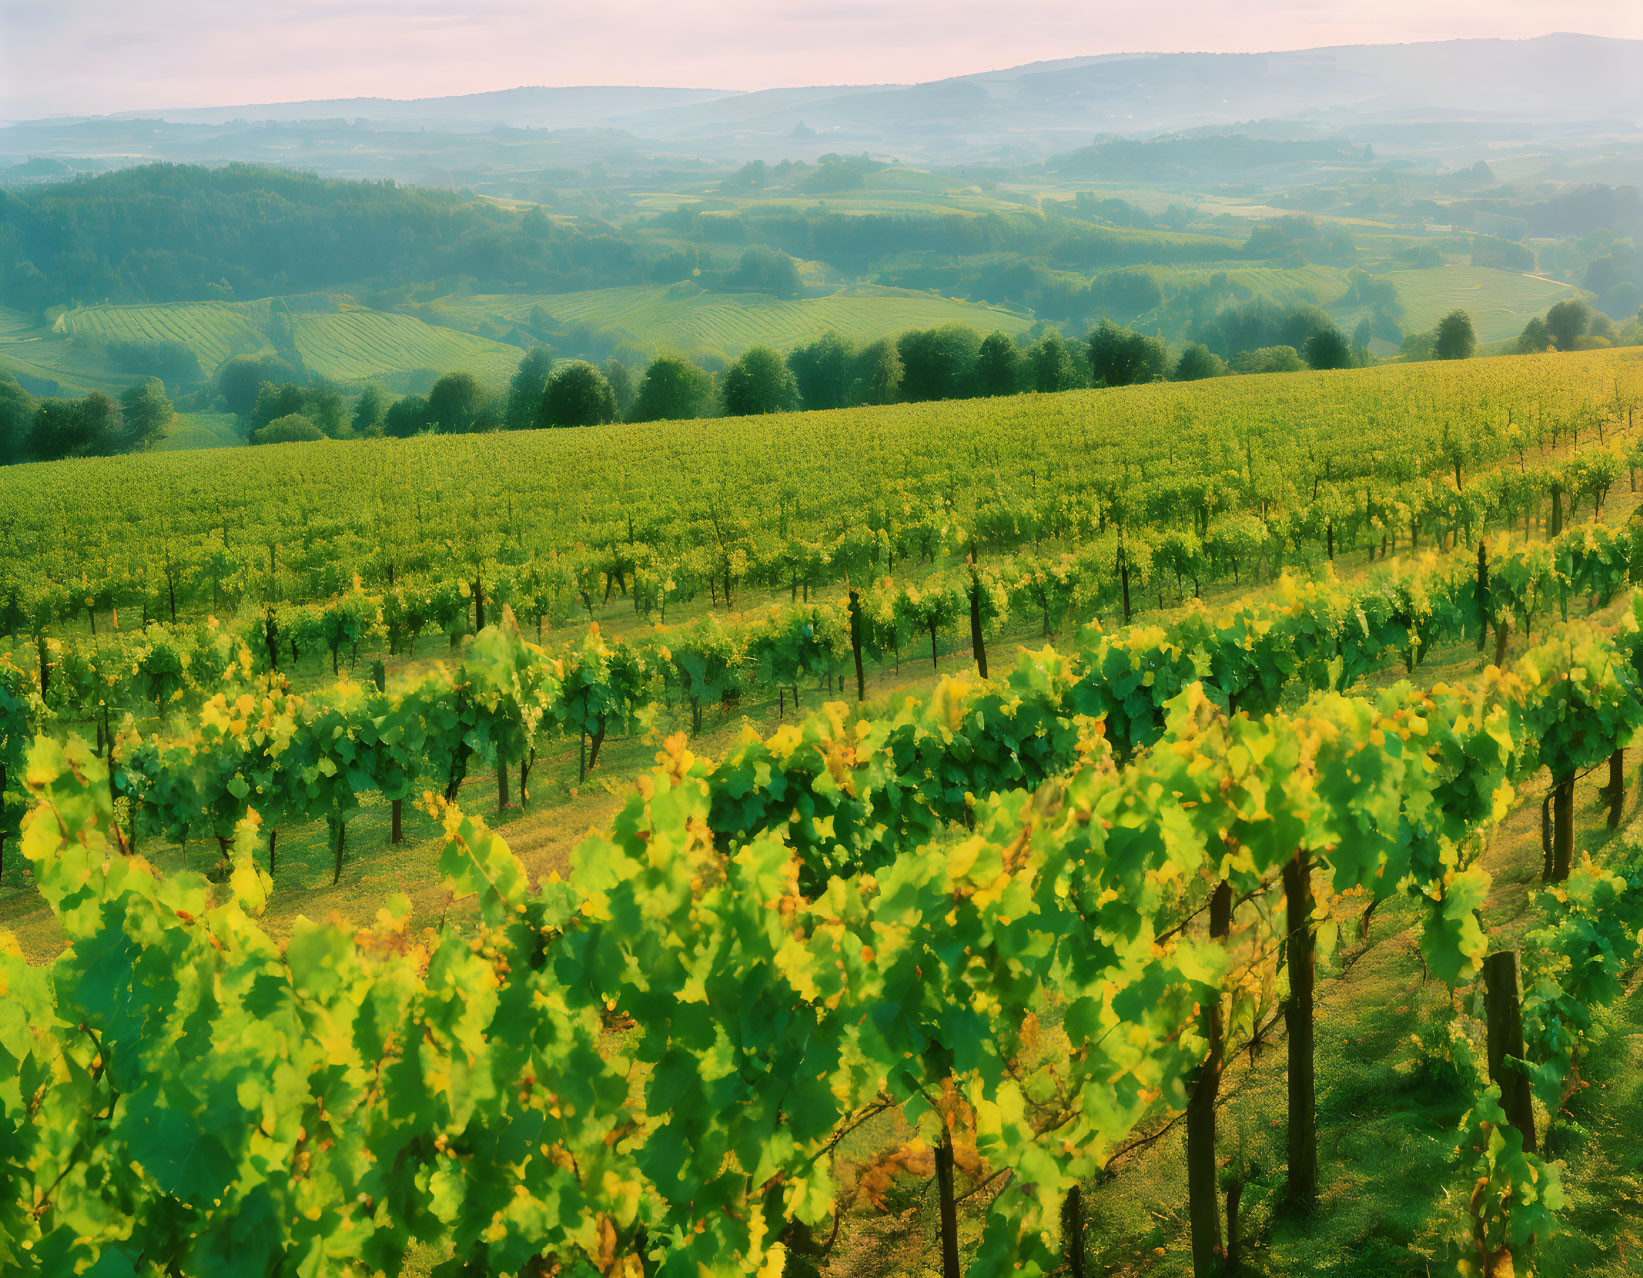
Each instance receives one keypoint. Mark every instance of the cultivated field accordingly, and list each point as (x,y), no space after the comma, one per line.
(214,331)
(356,345)
(683,318)
(1500,302)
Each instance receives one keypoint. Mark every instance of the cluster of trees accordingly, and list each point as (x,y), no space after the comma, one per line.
(1575,326)
(1261,324)
(94,426)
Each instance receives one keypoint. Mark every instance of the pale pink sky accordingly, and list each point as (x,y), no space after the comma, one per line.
(78,56)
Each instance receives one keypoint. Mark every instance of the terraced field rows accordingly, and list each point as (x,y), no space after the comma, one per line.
(1500,302)
(47,363)
(1287,286)
(356,345)
(214,331)
(685,319)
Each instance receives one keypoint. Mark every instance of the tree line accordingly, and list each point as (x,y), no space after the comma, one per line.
(952,361)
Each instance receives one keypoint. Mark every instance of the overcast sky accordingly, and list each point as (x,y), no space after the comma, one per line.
(84,56)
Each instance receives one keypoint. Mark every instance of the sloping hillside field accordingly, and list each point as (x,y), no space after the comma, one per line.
(684,318)
(1188,829)
(1139,454)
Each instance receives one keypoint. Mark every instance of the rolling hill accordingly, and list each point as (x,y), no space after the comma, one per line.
(1028,111)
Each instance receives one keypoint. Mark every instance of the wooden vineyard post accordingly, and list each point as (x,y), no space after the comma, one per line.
(1203,1201)
(1546,839)
(1303,1118)
(1617,786)
(1563,828)
(950,1267)
(1072,1230)
(855,646)
(1505,1033)
(978,644)
(1483,596)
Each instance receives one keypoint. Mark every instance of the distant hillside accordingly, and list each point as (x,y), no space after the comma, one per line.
(1030,112)
(569,108)
(1048,107)
(162,232)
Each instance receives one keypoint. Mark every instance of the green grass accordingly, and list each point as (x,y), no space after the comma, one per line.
(1499,302)
(686,319)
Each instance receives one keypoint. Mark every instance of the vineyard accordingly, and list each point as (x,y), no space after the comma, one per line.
(358,344)
(345,345)
(684,318)
(32,351)
(1500,302)
(1249,882)
(214,331)
(1310,285)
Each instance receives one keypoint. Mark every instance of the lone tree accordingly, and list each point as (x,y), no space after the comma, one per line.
(453,403)
(369,409)
(1198,362)
(878,373)
(767,270)
(578,395)
(406,417)
(1123,357)
(824,370)
(525,388)
(1053,364)
(1535,338)
(293,428)
(147,414)
(17,409)
(759,382)
(1456,338)
(1567,323)
(1327,348)
(673,389)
